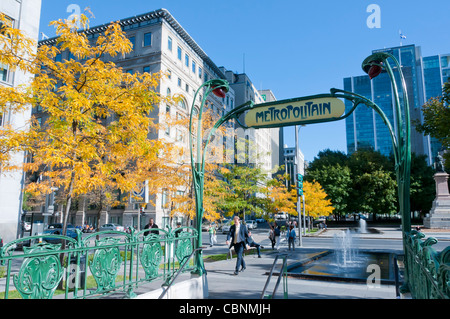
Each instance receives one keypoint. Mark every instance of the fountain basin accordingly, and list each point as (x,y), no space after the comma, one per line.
(328,267)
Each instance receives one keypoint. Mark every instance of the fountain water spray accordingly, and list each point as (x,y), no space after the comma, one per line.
(362,226)
(345,250)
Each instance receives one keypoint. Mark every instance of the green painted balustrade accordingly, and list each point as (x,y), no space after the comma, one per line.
(93,265)
(428,274)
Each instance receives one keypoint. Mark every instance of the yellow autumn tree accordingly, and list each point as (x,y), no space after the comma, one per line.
(97,124)
(181,179)
(279,198)
(316,200)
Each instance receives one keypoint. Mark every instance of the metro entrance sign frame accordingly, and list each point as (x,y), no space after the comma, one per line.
(309,110)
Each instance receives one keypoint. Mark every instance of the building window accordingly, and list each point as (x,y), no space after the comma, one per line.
(180,136)
(146,69)
(169,43)
(200,72)
(194,66)
(165,199)
(169,74)
(187,88)
(169,92)
(3,72)
(186,60)
(179,53)
(179,82)
(131,71)
(58,57)
(9,23)
(133,42)
(147,39)
(182,104)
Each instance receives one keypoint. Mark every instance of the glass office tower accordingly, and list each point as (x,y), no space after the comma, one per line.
(424,78)
(436,70)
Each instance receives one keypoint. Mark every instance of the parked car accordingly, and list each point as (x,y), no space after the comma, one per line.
(251,224)
(112,226)
(260,220)
(226,228)
(280,216)
(56,229)
(223,222)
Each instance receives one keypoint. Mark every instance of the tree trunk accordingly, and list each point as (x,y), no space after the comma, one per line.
(99,215)
(66,218)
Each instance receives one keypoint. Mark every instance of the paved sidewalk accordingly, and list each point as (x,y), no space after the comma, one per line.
(223,284)
(249,284)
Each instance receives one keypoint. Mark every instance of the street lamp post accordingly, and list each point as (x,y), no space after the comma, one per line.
(275,114)
(373,65)
(219,88)
(299,213)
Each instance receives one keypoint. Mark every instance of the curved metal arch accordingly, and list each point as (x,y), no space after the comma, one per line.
(401,142)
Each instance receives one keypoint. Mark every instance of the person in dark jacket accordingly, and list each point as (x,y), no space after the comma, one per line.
(237,238)
(151,224)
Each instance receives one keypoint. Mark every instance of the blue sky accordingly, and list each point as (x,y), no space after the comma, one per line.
(295,48)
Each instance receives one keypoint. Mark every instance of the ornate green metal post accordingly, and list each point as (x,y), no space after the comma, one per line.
(373,65)
(220,88)
(401,137)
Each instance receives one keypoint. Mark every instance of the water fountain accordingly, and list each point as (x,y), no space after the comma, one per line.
(345,262)
(344,248)
(362,226)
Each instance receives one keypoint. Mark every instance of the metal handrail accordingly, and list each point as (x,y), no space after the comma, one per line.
(137,258)
(283,272)
(425,275)
(396,276)
(180,270)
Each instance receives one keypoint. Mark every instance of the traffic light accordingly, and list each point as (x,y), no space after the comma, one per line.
(300,184)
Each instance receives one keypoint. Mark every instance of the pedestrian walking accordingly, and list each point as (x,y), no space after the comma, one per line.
(252,243)
(212,235)
(237,237)
(290,236)
(277,232)
(272,236)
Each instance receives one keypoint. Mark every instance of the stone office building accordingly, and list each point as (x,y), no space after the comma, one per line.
(159,44)
(23,15)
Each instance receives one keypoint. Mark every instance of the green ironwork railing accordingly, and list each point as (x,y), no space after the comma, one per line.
(428,274)
(95,265)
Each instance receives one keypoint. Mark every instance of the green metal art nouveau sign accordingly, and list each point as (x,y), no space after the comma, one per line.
(309,110)
(294,112)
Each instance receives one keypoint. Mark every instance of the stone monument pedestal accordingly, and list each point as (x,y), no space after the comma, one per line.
(439,216)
